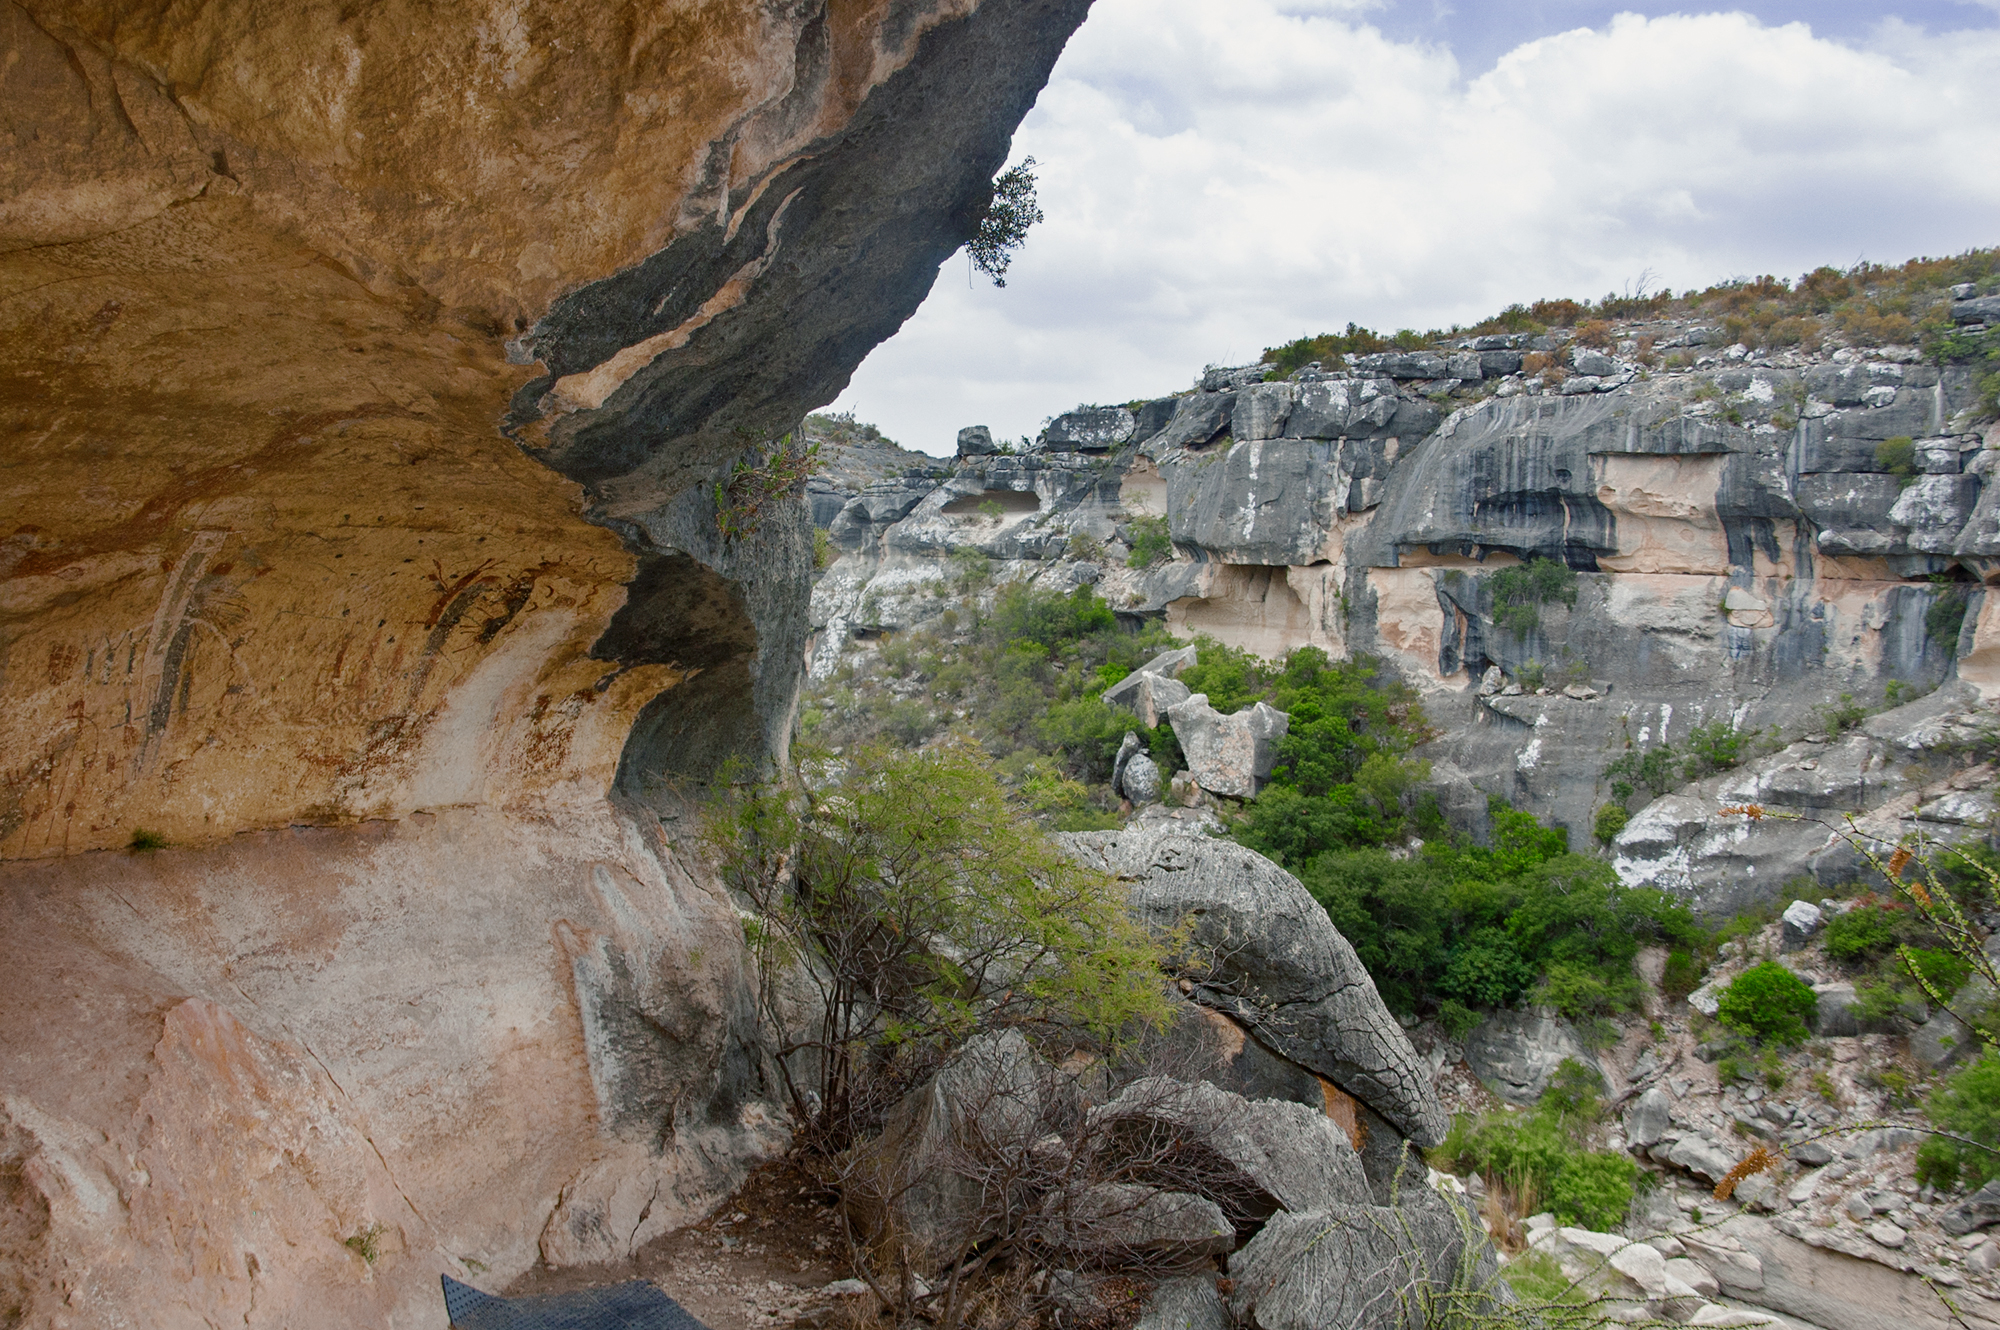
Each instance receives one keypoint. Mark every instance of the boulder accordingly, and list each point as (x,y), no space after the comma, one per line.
(1643,1265)
(1191,1302)
(1516,1052)
(1149,699)
(1594,363)
(1130,747)
(1800,921)
(976,441)
(1977,1211)
(1701,1156)
(1278,965)
(1094,429)
(1402,364)
(1694,1274)
(1140,781)
(1649,1120)
(1198,418)
(1154,695)
(1833,1011)
(1114,1220)
(995,1094)
(1357,1267)
(1263,1155)
(1232,754)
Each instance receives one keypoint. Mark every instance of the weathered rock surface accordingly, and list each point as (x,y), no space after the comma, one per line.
(920,1178)
(1233,754)
(1280,968)
(1274,1154)
(1366,1267)
(1516,1052)
(1188,1303)
(425,340)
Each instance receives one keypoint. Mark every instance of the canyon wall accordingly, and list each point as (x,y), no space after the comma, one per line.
(373,372)
(1751,538)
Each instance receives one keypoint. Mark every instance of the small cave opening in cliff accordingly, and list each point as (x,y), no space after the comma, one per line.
(682,613)
(1010,501)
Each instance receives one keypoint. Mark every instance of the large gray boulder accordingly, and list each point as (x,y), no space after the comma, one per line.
(1140,781)
(1152,688)
(1266,1154)
(1359,1267)
(1516,1052)
(1275,963)
(1650,1119)
(1231,755)
(920,1176)
(976,441)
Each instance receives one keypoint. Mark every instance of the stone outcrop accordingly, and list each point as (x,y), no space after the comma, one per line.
(1276,964)
(384,372)
(1516,1053)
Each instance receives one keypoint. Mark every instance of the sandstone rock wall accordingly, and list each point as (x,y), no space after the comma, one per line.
(373,370)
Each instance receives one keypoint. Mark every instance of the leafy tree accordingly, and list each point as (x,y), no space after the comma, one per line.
(925,907)
(1004,225)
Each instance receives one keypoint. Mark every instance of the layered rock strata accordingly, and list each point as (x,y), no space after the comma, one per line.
(1751,538)
(397,512)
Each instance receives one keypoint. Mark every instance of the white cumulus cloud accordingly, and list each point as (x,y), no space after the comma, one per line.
(1218,178)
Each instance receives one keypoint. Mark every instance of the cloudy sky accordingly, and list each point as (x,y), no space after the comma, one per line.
(1220,177)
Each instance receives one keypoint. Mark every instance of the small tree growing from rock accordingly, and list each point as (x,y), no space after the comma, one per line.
(922,906)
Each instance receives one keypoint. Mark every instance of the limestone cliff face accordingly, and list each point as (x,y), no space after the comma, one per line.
(1743,552)
(371,372)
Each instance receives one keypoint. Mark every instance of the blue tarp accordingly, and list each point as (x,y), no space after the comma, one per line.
(634,1306)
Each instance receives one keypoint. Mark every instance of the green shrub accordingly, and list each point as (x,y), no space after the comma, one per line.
(1659,768)
(983,923)
(1594,1190)
(1149,541)
(1944,618)
(1610,820)
(1712,748)
(1542,1156)
(1769,1002)
(144,840)
(1862,933)
(1047,619)
(1579,992)
(823,554)
(1897,456)
(1681,976)
(1487,970)
(1520,592)
(1967,1104)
